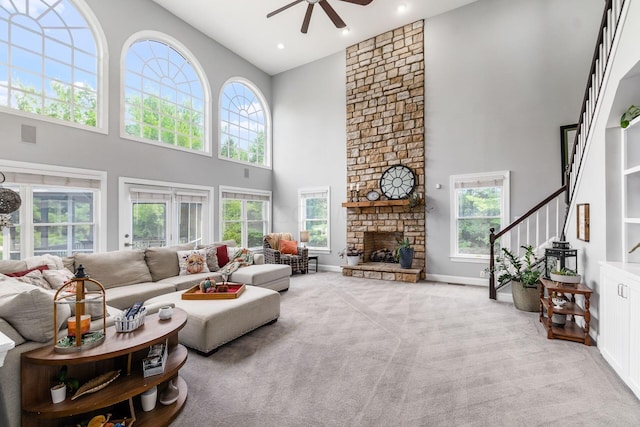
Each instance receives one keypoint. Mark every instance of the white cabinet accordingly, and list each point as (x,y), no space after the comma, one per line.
(630,168)
(620,320)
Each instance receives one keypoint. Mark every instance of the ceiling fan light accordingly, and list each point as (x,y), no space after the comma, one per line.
(280,46)
(345,31)
(402,8)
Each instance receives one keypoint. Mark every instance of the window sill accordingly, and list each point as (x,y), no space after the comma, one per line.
(483,259)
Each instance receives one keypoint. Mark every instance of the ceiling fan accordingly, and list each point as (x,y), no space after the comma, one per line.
(331,13)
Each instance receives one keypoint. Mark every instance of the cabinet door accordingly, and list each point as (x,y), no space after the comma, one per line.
(615,322)
(634,338)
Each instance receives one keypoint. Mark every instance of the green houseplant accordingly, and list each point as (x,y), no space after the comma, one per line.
(524,274)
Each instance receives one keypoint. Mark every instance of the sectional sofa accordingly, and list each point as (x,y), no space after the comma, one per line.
(129,276)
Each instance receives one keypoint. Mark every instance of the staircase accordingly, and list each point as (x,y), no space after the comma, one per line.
(548,219)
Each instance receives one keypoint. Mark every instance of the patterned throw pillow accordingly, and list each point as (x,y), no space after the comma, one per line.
(193,262)
(212,256)
(289,247)
(35,278)
(25,272)
(56,278)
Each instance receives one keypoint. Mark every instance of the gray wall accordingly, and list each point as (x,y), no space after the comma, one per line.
(309,143)
(64,146)
(502,76)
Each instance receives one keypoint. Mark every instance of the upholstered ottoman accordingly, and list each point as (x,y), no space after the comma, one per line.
(211,323)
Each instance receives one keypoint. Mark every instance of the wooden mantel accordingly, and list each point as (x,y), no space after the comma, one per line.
(368,204)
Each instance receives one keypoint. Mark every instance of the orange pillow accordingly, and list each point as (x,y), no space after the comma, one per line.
(289,247)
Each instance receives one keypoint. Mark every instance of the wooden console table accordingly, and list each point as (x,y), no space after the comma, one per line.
(124,351)
(570,331)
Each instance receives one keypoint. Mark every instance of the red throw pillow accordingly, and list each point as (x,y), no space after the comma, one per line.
(289,247)
(25,272)
(223,257)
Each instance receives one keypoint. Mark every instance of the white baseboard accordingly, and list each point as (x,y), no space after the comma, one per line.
(459,280)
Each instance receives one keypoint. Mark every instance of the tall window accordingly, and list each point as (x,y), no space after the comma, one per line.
(165,95)
(50,61)
(59,215)
(479,202)
(244,124)
(163,214)
(314,216)
(245,216)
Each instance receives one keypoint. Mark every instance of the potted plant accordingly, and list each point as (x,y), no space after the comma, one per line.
(404,253)
(524,274)
(565,275)
(353,255)
(59,391)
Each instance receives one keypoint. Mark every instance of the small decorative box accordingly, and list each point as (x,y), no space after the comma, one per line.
(123,324)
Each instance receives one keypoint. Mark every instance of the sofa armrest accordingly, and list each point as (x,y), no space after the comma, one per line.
(258,259)
(271,256)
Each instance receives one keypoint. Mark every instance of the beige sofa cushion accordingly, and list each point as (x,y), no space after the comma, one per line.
(29,309)
(116,268)
(122,297)
(163,262)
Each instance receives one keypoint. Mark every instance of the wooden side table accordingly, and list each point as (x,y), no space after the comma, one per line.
(570,331)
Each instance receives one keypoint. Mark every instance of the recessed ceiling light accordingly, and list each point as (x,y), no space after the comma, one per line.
(402,8)
(280,46)
(345,31)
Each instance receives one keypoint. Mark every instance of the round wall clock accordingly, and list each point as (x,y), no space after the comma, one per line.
(373,195)
(397,182)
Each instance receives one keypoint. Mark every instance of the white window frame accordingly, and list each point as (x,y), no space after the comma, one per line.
(267,112)
(102,78)
(174,188)
(206,90)
(247,192)
(61,175)
(500,176)
(302,193)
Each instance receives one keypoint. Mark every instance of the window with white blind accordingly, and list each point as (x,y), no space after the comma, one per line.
(314,216)
(245,215)
(478,202)
(60,212)
(164,214)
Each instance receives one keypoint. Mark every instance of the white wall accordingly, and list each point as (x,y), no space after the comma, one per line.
(65,146)
(599,185)
(502,76)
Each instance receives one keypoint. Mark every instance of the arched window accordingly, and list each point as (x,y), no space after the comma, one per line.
(52,61)
(166,96)
(244,124)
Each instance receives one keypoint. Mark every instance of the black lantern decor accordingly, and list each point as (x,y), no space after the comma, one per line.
(560,256)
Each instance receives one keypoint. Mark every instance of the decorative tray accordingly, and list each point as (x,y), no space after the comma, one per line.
(234,291)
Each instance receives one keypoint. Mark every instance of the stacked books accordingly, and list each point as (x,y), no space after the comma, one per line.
(154,363)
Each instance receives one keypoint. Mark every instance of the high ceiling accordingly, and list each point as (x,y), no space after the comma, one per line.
(242,26)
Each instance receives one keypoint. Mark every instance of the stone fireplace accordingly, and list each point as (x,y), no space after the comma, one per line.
(385,127)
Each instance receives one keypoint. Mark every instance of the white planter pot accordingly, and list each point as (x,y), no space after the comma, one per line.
(58,393)
(353,259)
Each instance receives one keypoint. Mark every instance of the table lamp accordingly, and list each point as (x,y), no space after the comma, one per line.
(304,237)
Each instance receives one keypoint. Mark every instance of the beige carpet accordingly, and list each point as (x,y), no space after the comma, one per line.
(356,352)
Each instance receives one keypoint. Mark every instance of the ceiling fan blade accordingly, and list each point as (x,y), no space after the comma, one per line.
(360,2)
(284,8)
(307,18)
(332,14)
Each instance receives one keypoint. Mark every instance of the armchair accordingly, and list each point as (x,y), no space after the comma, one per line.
(272,254)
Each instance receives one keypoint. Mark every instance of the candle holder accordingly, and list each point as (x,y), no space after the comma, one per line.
(354,195)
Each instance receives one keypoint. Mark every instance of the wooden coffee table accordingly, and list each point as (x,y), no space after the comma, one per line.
(123,351)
